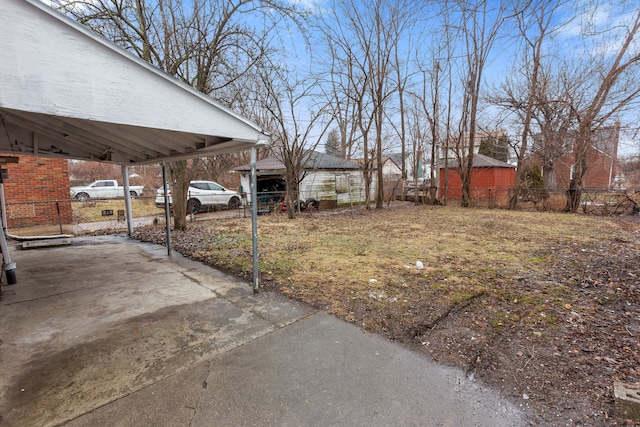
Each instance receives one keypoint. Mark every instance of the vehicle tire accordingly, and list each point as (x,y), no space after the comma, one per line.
(83,197)
(312,204)
(300,208)
(234,203)
(133,194)
(193,206)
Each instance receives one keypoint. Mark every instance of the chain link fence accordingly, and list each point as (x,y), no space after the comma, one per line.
(73,217)
(593,201)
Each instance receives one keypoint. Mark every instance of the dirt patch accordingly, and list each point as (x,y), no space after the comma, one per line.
(545,307)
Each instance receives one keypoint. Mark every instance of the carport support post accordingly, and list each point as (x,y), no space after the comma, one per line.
(167,210)
(254,218)
(127,199)
(8,266)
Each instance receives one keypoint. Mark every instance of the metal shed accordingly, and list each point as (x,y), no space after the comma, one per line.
(326,179)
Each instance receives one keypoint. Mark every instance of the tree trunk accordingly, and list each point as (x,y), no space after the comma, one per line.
(178,173)
(466,185)
(380,193)
(549,175)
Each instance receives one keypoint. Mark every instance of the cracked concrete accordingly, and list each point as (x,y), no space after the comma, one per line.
(110,331)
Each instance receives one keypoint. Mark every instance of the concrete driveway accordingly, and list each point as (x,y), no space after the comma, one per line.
(110,331)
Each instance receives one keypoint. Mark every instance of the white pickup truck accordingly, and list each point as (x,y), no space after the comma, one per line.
(103,189)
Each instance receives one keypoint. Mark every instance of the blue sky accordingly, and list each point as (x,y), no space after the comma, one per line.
(425,33)
(606,19)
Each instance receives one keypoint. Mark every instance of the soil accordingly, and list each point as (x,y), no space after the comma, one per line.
(552,334)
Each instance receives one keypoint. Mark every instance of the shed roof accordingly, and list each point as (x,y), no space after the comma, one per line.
(396,158)
(482,161)
(67,92)
(316,161)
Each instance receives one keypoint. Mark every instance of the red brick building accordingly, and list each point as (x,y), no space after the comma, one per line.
(490,178)
(37,192)
(602,162)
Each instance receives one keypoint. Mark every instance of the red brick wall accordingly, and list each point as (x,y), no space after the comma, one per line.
(600,168)
(35,190)
(485,182)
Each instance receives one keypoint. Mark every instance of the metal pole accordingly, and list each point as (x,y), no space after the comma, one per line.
(350,196)
(254,218)
(8,266)
(59,216)
(167,211)
(127,200)
(3,207)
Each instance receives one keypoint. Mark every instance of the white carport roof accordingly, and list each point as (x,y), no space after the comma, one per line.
(67,92)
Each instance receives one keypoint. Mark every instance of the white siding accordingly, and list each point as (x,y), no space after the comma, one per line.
(390,168)
(321,185)
(52,65)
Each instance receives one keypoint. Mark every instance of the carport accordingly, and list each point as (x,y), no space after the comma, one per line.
(67,92)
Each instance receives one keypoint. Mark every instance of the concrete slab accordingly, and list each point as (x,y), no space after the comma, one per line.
(321,371)
(90,323)
(627,398)
(318,371)
(109,331)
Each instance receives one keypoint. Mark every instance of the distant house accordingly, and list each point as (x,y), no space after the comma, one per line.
(421,172)
(391,165)
(327,179)
(458,146)
(37,192)
(602,161)
(392,172)
(490,179)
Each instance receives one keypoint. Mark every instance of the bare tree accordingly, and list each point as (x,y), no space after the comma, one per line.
(402,77)
(533,23)
(479,28)
(299,125)
(416,132)
(208,44)
(362,39)
(342,100)
(350,79)
(615,88)
(554,117)
(428,101)
(526,90)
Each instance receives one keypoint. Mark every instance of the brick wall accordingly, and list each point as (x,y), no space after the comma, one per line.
(486,183)
(601,169)
(36,189)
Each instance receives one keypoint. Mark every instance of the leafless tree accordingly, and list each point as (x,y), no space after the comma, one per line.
(523,90)
(299,127)
(362,39)
(417,131)
(343,100)
(209,44)
(84,172)
(479,27)
(613,84)
(554,117)
(428,100)
(533,23)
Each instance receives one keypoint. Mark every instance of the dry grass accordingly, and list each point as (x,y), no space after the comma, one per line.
(329,260)
(91,210)
(556,288)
